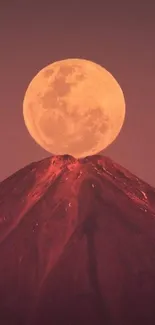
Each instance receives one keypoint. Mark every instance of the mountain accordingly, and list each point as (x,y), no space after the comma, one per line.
(77,244)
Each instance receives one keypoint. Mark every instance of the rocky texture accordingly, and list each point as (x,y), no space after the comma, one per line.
(77,245)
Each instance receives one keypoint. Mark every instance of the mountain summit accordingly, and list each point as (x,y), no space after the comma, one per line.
(77,244)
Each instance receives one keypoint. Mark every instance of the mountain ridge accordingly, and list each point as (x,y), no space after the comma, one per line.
(77,243)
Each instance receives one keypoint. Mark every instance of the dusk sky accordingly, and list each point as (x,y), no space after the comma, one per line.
(119,35)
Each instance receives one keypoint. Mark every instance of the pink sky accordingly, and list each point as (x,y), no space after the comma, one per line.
(119,36)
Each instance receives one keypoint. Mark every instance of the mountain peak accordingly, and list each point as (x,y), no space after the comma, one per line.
(77,244)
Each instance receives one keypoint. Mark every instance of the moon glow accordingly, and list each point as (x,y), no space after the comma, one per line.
(74,107)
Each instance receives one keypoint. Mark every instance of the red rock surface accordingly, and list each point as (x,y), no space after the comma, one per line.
(77,245)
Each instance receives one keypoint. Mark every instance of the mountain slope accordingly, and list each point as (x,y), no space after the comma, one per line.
(77,243)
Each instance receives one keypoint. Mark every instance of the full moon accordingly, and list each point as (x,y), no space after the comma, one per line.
(74,107)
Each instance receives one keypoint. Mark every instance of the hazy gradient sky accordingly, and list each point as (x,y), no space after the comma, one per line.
(119,35)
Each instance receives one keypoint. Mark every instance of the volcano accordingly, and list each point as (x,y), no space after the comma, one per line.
(77,244)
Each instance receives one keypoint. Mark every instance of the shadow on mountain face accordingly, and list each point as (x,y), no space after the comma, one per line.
(76,245)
